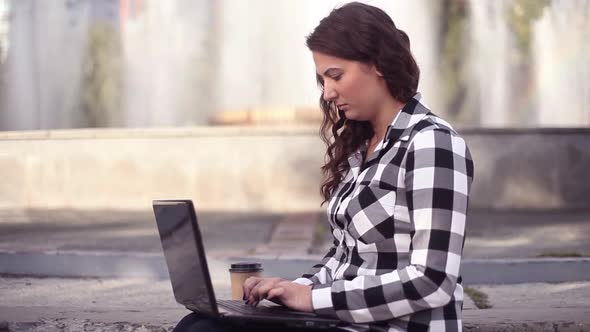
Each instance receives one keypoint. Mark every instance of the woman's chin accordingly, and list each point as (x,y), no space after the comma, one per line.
(354,116)
(350,115)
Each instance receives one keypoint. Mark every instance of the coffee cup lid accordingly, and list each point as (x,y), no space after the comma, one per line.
(246,267)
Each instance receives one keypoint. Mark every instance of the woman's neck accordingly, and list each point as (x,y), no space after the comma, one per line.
(387,112)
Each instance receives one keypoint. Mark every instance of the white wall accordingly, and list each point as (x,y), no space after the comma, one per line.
(264,60)
(42,72)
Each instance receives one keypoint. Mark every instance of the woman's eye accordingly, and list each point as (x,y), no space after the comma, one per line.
(337,78)
(319,80)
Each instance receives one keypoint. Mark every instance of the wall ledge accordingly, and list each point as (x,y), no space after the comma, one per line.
(150,133)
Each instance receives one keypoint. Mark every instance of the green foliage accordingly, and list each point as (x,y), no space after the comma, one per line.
(521,15)
(480,299)
(455,22)
(102,87)
(453,49)
(559,254)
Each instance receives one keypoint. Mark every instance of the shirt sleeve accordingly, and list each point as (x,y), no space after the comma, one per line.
(438,177)
(321,272)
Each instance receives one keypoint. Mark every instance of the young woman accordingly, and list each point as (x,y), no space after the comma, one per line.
(397,181)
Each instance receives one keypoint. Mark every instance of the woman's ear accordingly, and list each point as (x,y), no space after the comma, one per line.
(378,72)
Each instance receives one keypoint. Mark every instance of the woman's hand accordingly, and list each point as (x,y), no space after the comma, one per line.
(280,291)
(256,289)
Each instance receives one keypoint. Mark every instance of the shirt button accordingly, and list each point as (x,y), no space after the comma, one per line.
(338,234)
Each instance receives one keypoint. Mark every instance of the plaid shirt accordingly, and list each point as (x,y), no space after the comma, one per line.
(398,223)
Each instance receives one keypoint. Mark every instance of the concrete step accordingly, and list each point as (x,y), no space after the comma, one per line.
(105,264)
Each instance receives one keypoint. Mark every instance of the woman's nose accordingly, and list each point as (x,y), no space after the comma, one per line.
(329,93)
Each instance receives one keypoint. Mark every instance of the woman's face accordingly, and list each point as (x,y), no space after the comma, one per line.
(356,88)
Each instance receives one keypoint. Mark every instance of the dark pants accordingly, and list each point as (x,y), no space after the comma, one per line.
(197,323)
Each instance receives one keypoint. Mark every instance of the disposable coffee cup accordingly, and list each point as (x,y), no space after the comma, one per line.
(238,273)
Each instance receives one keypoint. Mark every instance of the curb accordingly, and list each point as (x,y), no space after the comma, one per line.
(102,264)
(293,237)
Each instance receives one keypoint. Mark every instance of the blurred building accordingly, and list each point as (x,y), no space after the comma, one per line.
(4,29)
(146,63)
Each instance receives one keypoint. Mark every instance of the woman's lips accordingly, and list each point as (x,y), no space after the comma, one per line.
(342,107)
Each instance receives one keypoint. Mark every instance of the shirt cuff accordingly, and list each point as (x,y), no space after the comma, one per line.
(321,300)
(303,281)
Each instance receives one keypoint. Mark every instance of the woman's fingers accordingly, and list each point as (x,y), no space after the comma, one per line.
(256,290)
(249,284)
(275,294)
(263,288)
(280,291)
(259,291)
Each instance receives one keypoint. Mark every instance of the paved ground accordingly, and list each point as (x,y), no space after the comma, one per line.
(499,244)
(490,234)
(119,231)
(527,234)
(151,303)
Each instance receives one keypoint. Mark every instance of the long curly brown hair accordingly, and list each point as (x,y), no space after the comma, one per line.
(363,33)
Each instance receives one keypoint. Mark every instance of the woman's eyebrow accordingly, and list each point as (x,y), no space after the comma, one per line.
(331,71)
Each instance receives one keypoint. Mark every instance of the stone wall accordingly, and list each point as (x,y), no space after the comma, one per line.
(530,168)
(262,169)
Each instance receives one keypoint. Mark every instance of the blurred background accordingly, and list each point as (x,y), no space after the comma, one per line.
(106,105)
(151,63)
(111,103)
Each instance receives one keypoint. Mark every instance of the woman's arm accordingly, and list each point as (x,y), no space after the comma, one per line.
(320,273)
(439,172)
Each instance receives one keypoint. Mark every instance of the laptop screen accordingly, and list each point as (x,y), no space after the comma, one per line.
(185,256)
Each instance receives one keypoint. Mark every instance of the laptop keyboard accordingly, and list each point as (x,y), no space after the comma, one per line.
(243,308)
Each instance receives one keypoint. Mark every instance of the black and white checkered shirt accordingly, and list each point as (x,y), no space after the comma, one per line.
(398,223)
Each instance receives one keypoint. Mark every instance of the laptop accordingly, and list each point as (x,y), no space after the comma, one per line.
(191,282)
